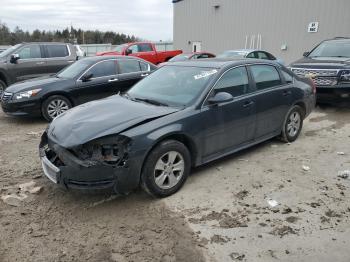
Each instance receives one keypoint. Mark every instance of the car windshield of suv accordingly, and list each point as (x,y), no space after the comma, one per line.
(120,48)
(332,49)
(74,69)
(9,50)
(172,85)
(179,58)
(232,54)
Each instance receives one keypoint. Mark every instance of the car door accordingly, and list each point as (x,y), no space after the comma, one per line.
(130,72)
(103,82)
(57,57)
(30,64)
(146,52)
(232,124)
(273,99)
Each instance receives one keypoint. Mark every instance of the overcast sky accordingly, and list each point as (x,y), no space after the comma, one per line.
(148,19)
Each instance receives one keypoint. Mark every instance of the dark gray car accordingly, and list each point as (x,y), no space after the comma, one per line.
(29,60)
(183,115)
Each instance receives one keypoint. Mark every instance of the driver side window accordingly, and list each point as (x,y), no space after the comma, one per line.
(134,49)
(29,52)
(234,82)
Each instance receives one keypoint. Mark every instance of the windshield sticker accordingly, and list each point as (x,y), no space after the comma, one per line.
(205,74)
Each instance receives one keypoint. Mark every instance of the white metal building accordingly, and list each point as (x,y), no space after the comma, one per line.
(286,28)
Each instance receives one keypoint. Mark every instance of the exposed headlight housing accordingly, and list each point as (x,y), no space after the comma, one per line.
(344,76)
(27,94)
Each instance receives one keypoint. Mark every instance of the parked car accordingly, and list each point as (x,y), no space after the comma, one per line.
(85,80)
(189,56)
(29,60)
(329,64)
(183,115)
(144,50)
(250,53)
(80,51)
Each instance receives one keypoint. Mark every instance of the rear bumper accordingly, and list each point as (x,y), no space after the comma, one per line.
(66,170)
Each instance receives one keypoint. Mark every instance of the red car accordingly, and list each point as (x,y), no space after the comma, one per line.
(144,50)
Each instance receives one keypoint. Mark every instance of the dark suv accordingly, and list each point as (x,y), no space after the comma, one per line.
(329,64)
(29,60)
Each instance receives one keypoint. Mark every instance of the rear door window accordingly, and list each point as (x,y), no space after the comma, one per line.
(234,82)
(102,69)
(30,52)
(263,55)
(145,67)
(288,77)
(128,66)
(57,51)
(265,76)
(145,48)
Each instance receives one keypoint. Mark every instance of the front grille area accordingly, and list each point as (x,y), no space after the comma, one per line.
(325,81)
(6,96)
(316,72)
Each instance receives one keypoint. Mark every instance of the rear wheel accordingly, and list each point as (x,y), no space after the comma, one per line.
(292,124)
(2,87)
(166,169)
(54,106)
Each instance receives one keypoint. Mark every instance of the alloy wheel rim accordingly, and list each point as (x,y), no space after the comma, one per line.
(293,124)
(169,170)
(57,107)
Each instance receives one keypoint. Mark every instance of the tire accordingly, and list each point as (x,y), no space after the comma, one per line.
(292,124)
(159,177)
(2,87)
(54,106)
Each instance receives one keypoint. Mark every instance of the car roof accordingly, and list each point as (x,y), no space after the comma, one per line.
(94,59)
(46,43)
(220,62)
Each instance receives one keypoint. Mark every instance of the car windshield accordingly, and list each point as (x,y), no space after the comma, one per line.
(179,58)
(232,54)
(173,85)
(9,51)
(74,69)
(120,48)
(332,49)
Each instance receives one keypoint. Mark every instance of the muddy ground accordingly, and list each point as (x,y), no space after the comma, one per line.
(223,213)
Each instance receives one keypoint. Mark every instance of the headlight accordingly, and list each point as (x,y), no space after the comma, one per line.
(344,76)
(27,94)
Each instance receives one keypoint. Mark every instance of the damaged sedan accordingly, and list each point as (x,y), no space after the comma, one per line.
(183,115)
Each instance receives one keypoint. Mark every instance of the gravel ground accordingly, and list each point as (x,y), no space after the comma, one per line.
(274,201)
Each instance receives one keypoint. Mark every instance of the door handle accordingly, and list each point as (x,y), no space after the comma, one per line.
(113,80)
(71,61)
(287,93)
(143,75)
(40,63)
(248,104)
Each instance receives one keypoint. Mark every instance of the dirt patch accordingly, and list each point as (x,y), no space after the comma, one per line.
(55,225)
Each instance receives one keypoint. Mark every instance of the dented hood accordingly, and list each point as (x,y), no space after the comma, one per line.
(102,118)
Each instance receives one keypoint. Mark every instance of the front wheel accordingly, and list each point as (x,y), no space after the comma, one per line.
(166,169)
(54,106)
(293,124)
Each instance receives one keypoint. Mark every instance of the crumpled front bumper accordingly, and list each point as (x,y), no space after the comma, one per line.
(65,169)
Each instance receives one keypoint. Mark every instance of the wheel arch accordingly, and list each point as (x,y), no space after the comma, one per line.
(302,105)
(58,93)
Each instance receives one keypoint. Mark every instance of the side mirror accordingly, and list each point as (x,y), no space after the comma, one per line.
(86,78)
(221,97)
(128,52)
(14,58)
(305,54)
